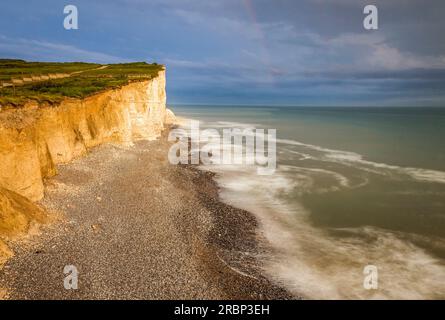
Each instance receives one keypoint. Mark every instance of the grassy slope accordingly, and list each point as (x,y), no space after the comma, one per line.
(90,81)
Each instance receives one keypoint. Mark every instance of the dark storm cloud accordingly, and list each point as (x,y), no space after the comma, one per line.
(251,51)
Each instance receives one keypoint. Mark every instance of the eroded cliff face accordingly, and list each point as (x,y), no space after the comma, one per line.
(17,215)
(35,138)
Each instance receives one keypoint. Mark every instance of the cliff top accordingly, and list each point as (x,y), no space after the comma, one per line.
(51,82)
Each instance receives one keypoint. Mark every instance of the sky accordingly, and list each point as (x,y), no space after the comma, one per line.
(249,52)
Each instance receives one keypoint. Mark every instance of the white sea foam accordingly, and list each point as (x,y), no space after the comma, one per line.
(315,263)
(312,263)
(339,156)
(304,156)
(352,158)
(228,124)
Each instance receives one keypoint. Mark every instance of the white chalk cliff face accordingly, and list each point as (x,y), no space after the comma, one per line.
(35,138)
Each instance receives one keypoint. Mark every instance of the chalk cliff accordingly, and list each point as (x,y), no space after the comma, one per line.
(35,138)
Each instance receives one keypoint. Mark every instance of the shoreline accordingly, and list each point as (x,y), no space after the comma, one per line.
(139,228)
(234,240)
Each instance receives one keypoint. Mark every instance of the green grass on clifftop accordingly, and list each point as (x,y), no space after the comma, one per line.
(79,79)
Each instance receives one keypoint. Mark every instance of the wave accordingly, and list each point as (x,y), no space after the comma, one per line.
(328,263)
(312,262)
(352,158)
(337,156)
(342,180)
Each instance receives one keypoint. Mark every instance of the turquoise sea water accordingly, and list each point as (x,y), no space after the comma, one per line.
(353,187)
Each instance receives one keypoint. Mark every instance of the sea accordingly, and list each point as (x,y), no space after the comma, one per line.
(353,187)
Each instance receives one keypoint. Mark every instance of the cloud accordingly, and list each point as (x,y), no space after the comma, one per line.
(48,51)
(306,51)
